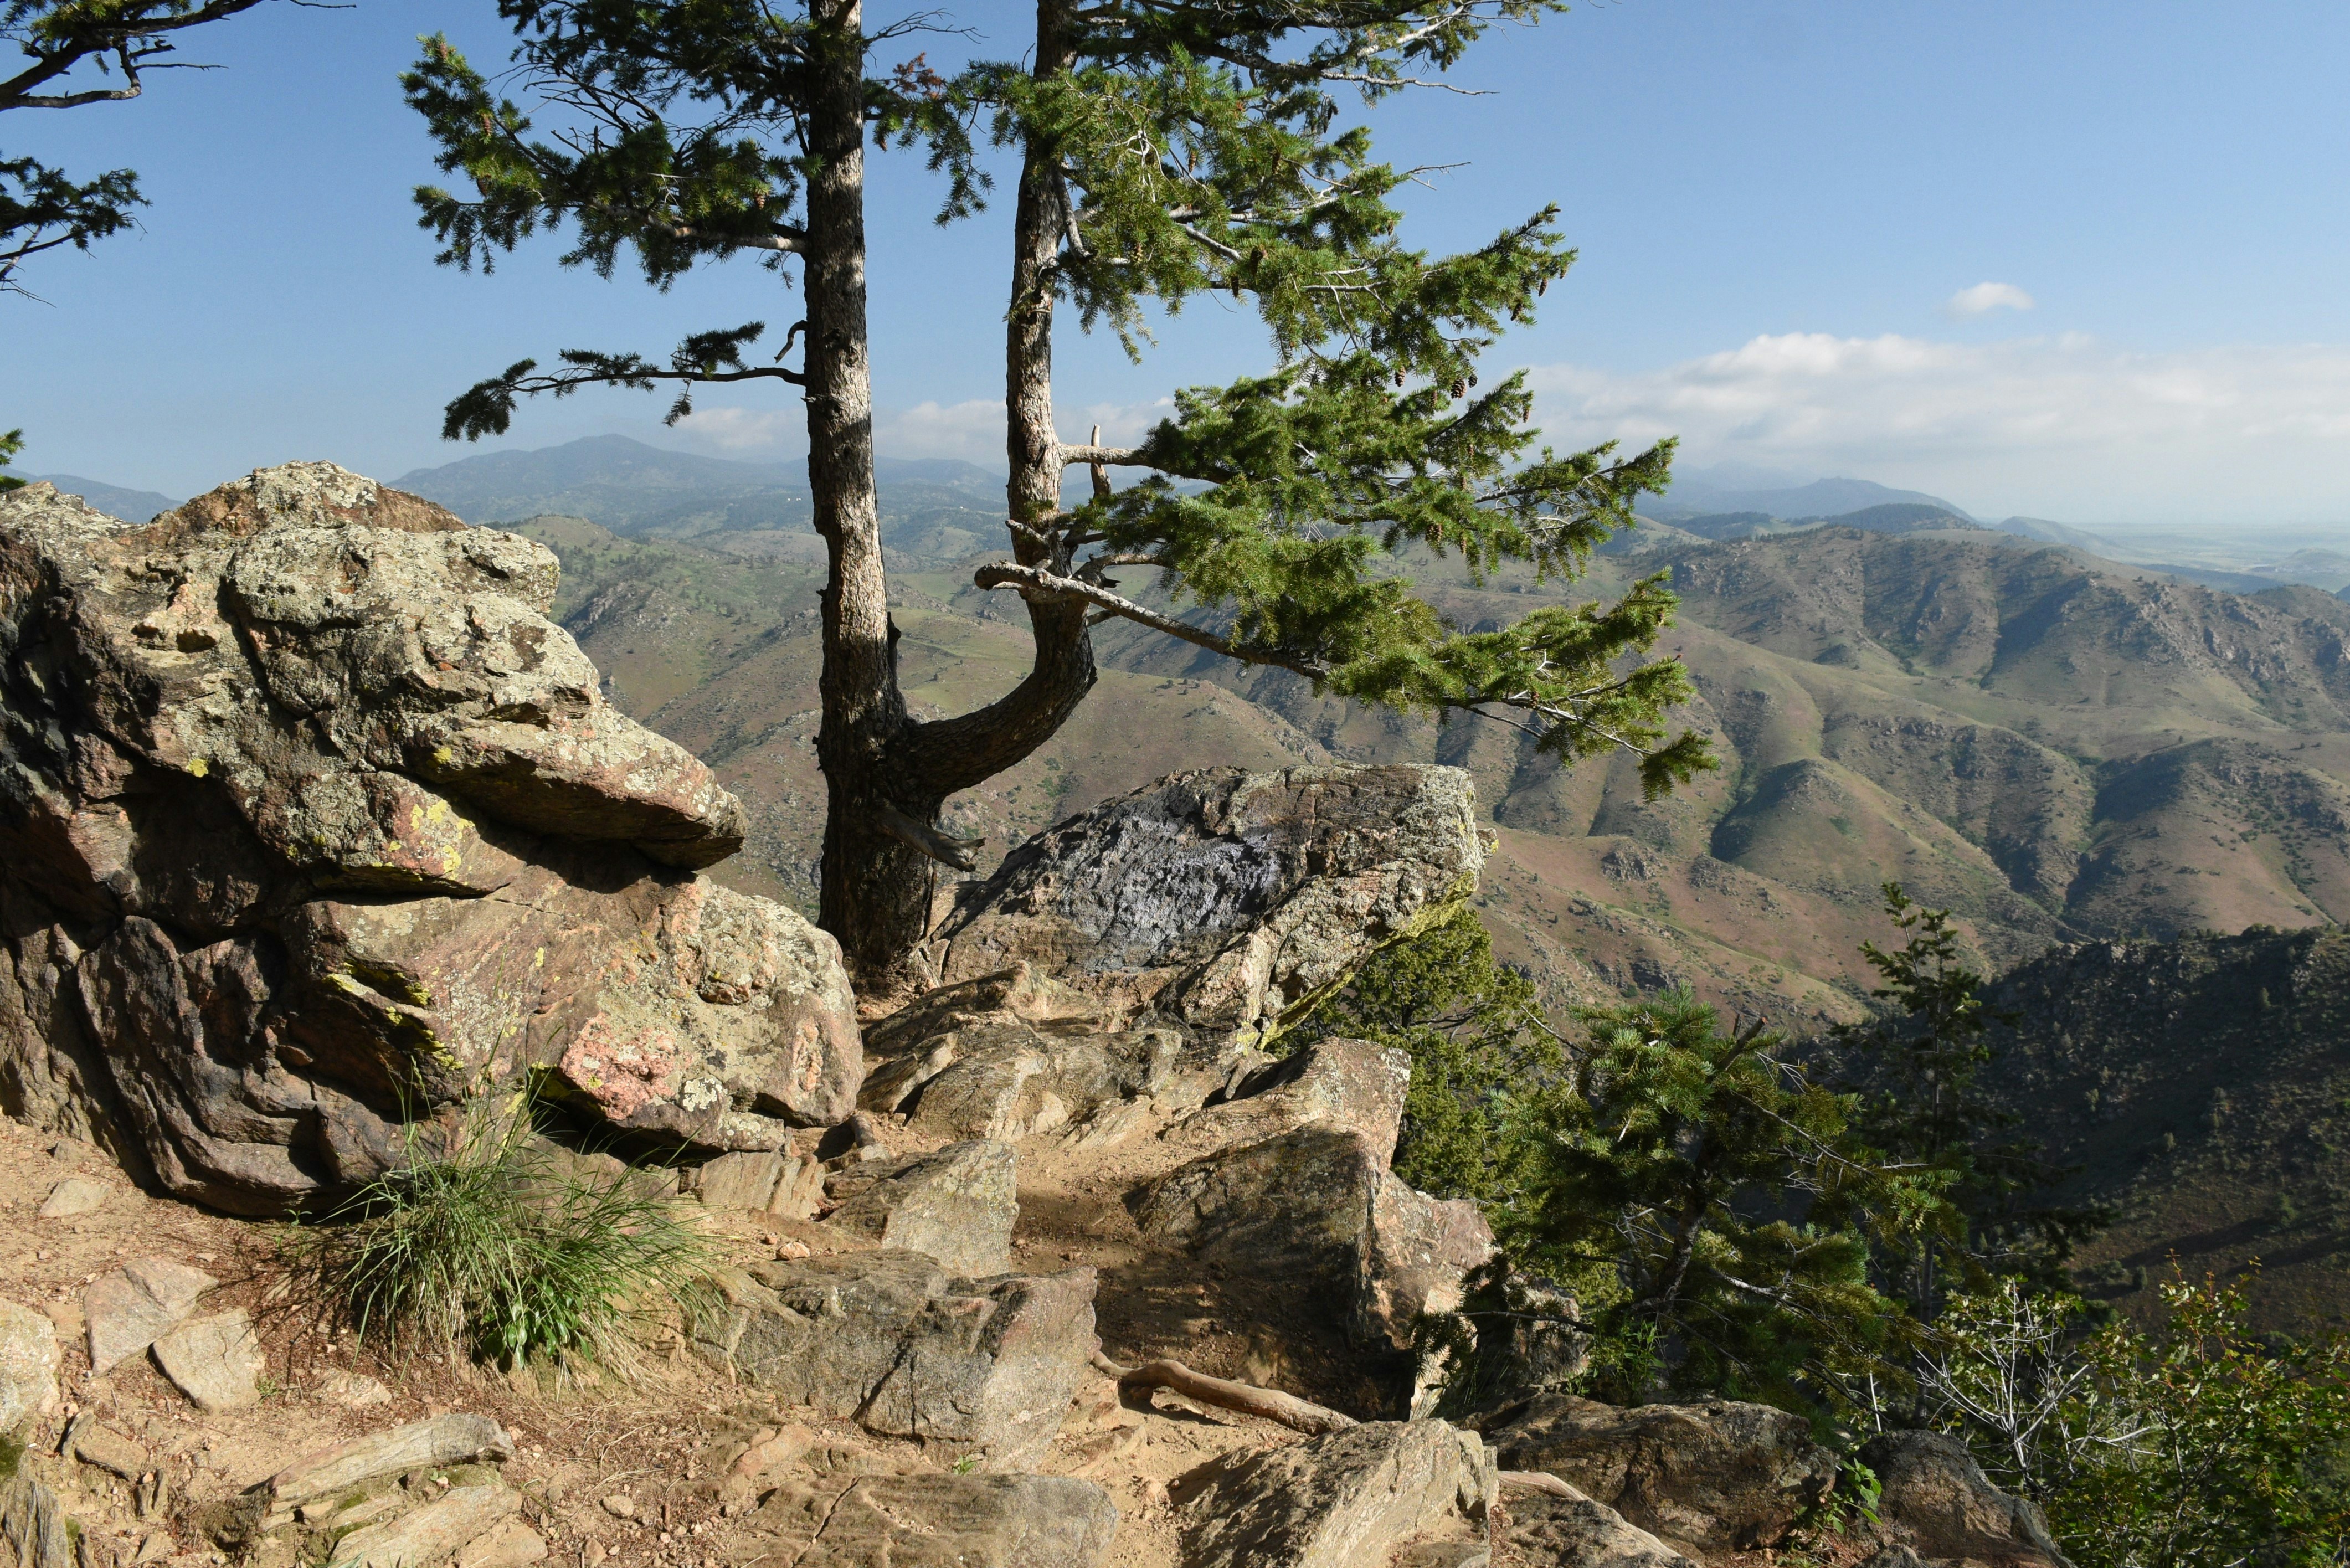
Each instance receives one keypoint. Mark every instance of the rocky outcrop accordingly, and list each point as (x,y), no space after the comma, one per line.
(1712,1477)
(1360,1496)
(1319,1204)
(1938,1496)
(1227,901)
(891,1338)
(311,822)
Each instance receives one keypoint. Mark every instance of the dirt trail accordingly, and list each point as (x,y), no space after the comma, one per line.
(659,1441)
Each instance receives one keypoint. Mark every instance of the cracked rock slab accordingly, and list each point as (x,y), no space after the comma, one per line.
(927,1522)
(128,1308)
(215,1361)
(1340,1500)
(957,1205)
(890,1337)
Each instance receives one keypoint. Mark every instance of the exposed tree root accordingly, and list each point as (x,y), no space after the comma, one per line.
(1538,1480)
(1247,1398)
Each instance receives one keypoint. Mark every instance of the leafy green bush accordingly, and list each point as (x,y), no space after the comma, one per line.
(486,1247)
(2197,1446)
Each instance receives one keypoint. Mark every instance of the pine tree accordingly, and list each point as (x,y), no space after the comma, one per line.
(1167,152)
(1917,1071)
(1478,1041)
(1728,1194)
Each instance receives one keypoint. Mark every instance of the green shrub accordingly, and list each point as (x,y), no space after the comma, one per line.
(485,1246)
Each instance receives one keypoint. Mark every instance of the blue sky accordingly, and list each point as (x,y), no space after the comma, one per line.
(1787,217)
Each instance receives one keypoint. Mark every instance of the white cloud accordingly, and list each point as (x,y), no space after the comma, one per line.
(2063,426)
(972,431)
(752,432)
(1984,298)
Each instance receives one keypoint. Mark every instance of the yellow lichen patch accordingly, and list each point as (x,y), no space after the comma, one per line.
(199,767)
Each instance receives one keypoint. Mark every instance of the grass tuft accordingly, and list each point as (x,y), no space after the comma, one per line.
(485,1246)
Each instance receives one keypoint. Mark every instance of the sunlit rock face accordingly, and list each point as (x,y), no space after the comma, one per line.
(312,825)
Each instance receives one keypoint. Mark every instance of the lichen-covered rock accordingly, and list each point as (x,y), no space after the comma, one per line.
(1320,1204)
(891,1338)
(1711,1477)
(1341,1501)
(1227,900)
(311,822)
(1938,1497)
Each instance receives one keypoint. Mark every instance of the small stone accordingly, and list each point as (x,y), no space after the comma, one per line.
(512,1545)
(620,1505)
(156,1548)
(74,1195)
(215,1361)
(352,1390)
(28,1364)
(128,1308)
(108,1449)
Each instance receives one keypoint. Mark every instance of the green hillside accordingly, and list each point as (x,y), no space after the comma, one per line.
(2203,1089)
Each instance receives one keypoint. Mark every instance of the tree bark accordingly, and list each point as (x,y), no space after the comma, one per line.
(956,753)
(876,887)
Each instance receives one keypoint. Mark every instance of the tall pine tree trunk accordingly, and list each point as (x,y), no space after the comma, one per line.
(886,776)
(875,888)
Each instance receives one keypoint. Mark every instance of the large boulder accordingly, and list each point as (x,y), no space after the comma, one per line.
(1938,1496)
(1318,1205)
(1712,1477)
(1226,900)
(1351,1086)
(1347,1498)
(983,1367)
(311,822)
